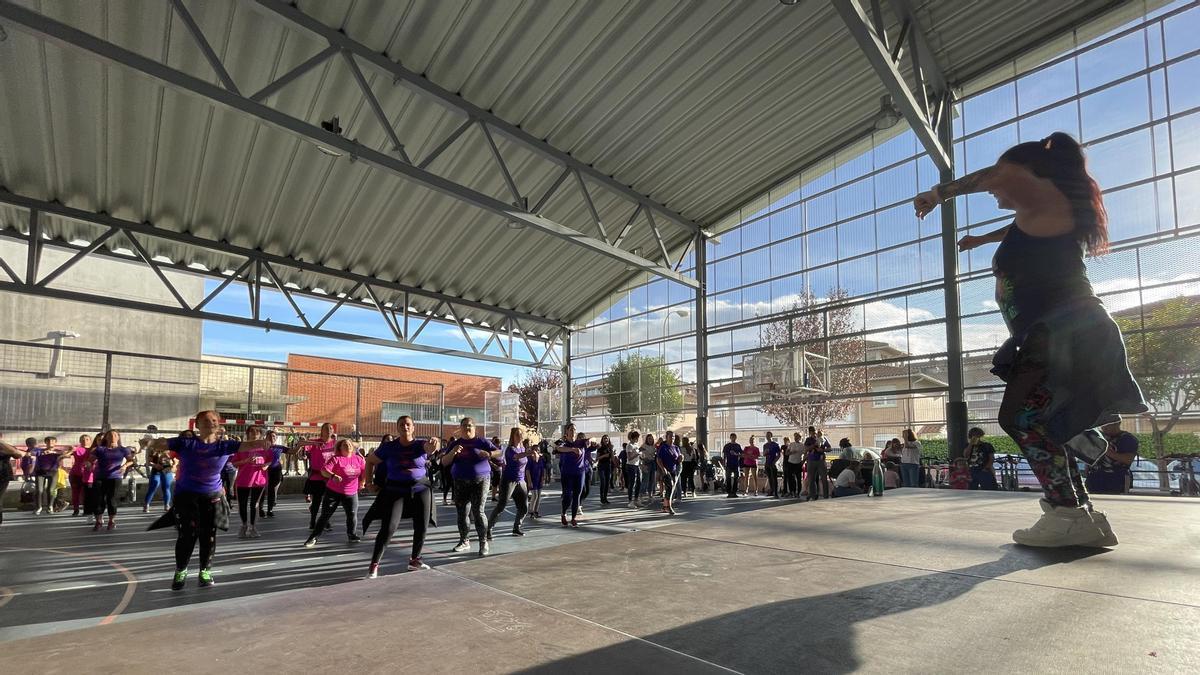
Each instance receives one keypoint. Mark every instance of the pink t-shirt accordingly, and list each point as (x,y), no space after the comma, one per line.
(78,460)
(349,469)
(318,455)
(252,474)
(750,455)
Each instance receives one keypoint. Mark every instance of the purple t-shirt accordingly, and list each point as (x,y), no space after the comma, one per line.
(471,465)
(570,464)
(536,471)
(110,461)
(732,452)
(514,469)
(47,463)
(669,456)
(405,463)
(772,451)
(200,463)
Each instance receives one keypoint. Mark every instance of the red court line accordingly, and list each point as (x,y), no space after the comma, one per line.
(130,588)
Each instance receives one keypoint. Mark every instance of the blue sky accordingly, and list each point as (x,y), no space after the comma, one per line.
(224,339)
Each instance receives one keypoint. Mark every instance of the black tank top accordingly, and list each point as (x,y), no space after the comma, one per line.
(1035,275)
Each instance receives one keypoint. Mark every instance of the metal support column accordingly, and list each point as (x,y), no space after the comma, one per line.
(701,248)
(956,406)
(566,378)
(250,394)
(104,421)
(358,407)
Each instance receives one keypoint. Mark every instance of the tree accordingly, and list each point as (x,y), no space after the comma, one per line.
(1166,363)
(805,325)
(527,387)
(643,393)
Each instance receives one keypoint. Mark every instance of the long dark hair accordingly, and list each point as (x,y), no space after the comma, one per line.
(1059,158)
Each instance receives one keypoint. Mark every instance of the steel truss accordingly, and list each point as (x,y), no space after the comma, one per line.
(513,209)
(259,271)
(922,105)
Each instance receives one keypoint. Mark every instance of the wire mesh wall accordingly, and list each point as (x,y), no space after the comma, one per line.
(49,389)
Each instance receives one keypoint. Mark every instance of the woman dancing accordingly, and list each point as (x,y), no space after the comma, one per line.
(407,492)
(470,460)
(512,482)
(1064,366)
(573,459)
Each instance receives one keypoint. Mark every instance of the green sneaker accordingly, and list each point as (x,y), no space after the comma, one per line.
(177,582)
(206,579)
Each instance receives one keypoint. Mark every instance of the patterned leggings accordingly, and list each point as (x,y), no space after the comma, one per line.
(1026,400)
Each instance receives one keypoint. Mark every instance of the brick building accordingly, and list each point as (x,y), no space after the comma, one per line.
(373,395)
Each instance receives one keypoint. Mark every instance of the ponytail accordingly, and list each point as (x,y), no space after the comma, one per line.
(1059,158)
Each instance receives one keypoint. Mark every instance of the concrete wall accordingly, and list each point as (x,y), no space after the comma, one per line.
(143,391)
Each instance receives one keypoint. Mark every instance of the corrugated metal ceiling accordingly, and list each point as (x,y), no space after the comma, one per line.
(697,103)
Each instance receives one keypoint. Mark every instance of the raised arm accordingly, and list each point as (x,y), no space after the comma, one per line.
(10,451)
(977,181)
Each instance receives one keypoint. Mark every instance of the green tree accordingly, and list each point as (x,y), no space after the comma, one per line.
(1164,355)
(643,393)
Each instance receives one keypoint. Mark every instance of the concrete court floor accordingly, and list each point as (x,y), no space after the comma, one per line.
(919,581)
(56,574)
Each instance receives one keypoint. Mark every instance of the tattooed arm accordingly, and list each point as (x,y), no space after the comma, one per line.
(972,182)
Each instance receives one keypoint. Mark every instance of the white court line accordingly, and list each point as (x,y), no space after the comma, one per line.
(71,588)
(253,567)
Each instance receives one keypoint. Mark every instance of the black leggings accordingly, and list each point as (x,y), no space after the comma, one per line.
(329,503)
(248,498)
(197,522)
(3,488)
(572,491)
(316,490)
(792,478)
(274,479)
(773,479)
(633,481)
(395,503)
(520,497)
(471,493)
(447,481)
(689,477)
(108,496)
(605,471)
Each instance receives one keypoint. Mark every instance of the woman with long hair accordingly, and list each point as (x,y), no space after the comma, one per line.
(535,473)
(648,459)
(1064,366)
(250,482)
(274,476)
(110,459)
(605,455)
(512,482)
(162,476)
(633,472)
(910,459)
(750,455)
(406,492)
(667,460)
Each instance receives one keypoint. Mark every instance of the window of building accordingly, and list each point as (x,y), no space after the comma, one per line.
(881,399)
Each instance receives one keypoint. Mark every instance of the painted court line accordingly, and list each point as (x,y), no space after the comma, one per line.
(254,567)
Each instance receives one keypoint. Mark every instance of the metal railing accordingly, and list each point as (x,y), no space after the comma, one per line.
(57,389)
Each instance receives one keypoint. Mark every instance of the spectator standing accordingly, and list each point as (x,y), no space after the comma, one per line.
(750,455)
(793,467)
(818,475)
(772,453)
(910,459)
(733,463)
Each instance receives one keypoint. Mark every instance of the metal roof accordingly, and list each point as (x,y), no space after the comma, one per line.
(698,104)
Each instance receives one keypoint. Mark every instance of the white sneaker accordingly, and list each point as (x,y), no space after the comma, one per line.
(1061,526)
(38,512)
(242,533)
(461,546)
(484,549)
(1101,521)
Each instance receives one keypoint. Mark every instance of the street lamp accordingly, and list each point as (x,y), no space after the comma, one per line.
(56,354)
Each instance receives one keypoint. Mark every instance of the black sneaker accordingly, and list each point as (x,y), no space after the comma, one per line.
(518,532)
(354,538)
(206,579)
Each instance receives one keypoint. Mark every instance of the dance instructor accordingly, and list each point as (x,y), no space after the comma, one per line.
(407,492)
(1064,366)
(199,502)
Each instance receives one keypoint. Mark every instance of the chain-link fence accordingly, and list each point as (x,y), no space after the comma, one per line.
(49,389)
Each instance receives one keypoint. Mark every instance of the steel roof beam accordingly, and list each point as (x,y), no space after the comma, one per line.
(62,34)
(420,84)
(877,53)
(105,220)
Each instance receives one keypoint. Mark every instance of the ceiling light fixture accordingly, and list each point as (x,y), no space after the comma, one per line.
(888,116)
(333,126)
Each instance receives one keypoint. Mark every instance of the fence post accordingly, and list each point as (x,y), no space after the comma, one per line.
(358,406)
(107,389)
(250,395)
